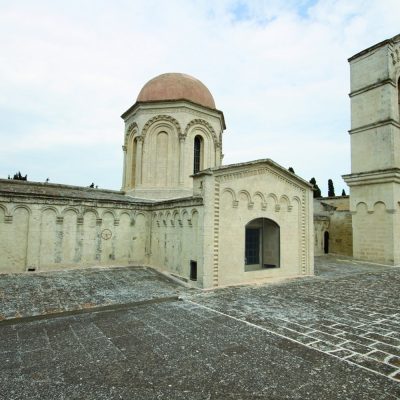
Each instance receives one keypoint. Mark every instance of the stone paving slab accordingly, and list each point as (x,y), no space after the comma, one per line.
(333,336)
(352,311)
(173,350)
(31,294)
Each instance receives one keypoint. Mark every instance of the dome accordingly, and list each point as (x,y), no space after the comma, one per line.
(175,86)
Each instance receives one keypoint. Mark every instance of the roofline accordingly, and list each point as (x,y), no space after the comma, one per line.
(268,161)
(393,40)
(139,103)
(60,185)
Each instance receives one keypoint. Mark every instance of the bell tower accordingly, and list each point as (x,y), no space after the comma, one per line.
(375,152)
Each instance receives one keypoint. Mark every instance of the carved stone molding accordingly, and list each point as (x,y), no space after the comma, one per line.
(206,125)
(259,171)
(131,127)
(159,118)
(395,54)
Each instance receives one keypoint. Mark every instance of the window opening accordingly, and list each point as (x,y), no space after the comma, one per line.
(398,95)
(197,154)
(253,245)
(326,242)
(193,270)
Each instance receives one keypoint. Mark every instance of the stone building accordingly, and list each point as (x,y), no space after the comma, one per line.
(179,210)
(333,226)
(375,152)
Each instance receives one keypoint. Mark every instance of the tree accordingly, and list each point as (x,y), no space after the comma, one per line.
(343,192)
(316,189)
(19,177)
(331,189)
(291,170)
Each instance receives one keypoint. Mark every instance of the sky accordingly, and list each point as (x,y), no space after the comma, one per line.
(277,69)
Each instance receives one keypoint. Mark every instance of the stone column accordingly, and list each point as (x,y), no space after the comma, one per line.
(139,151)
(181,159)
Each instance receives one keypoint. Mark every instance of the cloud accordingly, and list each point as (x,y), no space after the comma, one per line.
(277,69)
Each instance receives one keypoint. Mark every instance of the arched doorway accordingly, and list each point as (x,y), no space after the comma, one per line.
(262,244)
(326,242)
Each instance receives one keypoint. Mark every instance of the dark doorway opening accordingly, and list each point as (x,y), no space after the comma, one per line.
(326,242)
(262,244)
(193,270)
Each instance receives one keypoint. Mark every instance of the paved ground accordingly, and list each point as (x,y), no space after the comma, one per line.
(23,295)
(335,336)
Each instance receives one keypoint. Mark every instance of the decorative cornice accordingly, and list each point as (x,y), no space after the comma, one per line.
(180,104)
(373,86)
(391,41)
(243,173)
(391,175)
(374,125)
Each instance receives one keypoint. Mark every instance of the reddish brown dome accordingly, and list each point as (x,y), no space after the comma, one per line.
(175,86)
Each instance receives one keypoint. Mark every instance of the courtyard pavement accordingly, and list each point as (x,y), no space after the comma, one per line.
(130,333)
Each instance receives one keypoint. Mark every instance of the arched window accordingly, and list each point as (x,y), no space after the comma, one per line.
(197,154)
(398,95)
(262,244)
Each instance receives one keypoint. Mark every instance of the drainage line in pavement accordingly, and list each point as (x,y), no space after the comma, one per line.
(111,307)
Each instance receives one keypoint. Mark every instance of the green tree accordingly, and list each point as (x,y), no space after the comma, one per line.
(316,189)
(331,189)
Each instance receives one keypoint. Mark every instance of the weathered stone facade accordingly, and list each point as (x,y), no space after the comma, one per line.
(333,226)
(179,211)
(47,226)
(375,152)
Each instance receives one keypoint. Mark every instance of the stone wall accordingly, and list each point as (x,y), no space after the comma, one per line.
(47,227)
(40,230)
(176,239)
(332,215)
(238,194)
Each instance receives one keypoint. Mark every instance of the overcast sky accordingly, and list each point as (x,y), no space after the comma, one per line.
(276,68)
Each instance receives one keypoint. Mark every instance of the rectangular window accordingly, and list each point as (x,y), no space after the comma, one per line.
(252,246)
(193,270)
